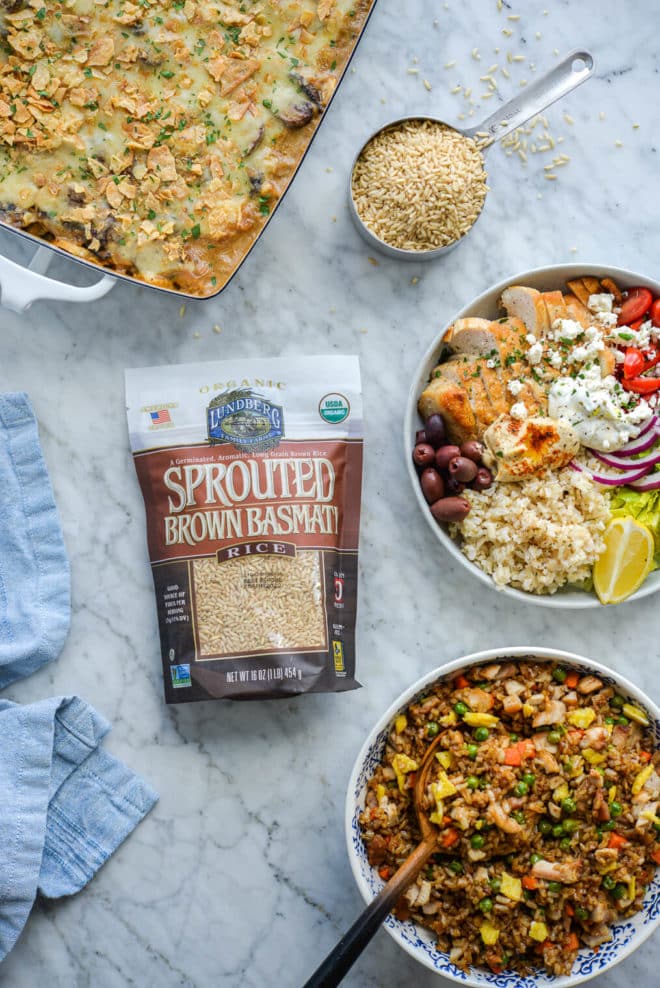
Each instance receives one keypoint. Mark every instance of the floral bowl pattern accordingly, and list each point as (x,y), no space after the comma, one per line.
(420,943)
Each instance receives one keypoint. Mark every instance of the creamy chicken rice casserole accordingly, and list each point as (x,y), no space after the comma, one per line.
(545,794)
(156,137)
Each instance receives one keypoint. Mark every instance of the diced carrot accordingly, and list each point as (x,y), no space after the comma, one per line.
(461,682)
(568,909)
(530,883)
(616,841)
(645,756)
(515,753)
(449,837)
(540,947)
(411,778)
(572,679)
(656,856)
(384,872)
(572,942)
(447,821)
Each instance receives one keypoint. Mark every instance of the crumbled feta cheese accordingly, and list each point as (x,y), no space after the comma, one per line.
(587,351)
(556,359)
(531,339)
(630,337)
(598,408)
(518,411)
(515,387)
(607,319)
(600,303)
(535,353)
(492,363)
(567,329)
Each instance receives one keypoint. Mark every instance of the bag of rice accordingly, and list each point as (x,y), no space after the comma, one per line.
(251,472)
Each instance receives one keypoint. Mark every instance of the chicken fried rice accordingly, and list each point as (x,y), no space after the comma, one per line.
(545,790)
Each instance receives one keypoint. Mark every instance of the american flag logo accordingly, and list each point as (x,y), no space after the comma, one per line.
(161,417)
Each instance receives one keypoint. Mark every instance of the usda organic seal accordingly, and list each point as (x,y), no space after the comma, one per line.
(334,408)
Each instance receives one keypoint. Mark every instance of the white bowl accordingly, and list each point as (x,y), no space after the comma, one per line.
(420,943)
(485,305)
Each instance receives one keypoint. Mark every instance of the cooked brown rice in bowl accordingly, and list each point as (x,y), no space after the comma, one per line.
(546,799)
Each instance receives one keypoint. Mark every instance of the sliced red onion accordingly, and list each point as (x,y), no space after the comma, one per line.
(619,463)
(647,425)
(651,482)
(619,479)
(640,444)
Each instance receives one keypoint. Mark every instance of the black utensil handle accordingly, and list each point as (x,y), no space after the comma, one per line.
(341,959)
(343,956)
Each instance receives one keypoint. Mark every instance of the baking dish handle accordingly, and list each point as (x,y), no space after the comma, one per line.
(21,286)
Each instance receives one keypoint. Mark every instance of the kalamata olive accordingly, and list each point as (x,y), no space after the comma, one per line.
(463,469)
(435,430)
(444,454)
(450,509)
(453,486)
(483,479)
(420,437)
(473,450)
(432,485)
(423,454)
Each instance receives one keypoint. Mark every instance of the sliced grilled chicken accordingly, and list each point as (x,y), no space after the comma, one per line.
(451,401)
(577,310)
(555,306)
(527,305)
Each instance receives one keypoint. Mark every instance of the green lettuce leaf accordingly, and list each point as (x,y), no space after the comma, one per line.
(644,506)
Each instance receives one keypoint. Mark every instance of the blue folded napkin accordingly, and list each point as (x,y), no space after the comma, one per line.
(34,571)
(66,804)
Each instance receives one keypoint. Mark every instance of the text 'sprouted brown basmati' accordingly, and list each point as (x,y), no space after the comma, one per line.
(251,475)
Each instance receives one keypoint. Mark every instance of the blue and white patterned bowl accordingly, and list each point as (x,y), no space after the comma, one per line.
(420,943)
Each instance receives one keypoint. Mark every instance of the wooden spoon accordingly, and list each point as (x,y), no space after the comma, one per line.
(343,956)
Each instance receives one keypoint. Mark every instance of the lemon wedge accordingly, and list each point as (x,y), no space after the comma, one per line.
(626,561)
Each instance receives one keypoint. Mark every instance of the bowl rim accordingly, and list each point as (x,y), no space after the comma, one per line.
(574,599)
(401,701)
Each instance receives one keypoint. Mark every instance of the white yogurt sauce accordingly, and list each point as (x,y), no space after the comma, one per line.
(597,409)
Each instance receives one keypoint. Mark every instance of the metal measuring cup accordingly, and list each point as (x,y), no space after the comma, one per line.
(570,73)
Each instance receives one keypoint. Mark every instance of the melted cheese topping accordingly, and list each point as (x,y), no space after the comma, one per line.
(155,138)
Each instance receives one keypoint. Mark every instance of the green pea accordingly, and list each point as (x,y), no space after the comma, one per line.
(554,737)
(557,830)
(581,913)
(432,729)
(535,857)
(568,805)
(472,782)
(559,675)
(544,827)
(570,826)
(656,827)
(617,702)
(486,905)
(481,734)
(620,891)
(495,884)
(608,883)
(461,708)
(554,887)
(456,867)
(616,809)
(472,751)
(518,816)
(483,782)
(610,720)
(477,841)
(622,721)
(514,737)
(565,843)
(521,789)
(529,778)
(608,825)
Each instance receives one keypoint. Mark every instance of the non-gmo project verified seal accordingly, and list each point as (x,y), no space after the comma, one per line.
(180,676)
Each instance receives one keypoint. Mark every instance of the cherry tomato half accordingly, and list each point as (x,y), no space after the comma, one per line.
(642,385)
(655,312)
(636,305)
(633,365)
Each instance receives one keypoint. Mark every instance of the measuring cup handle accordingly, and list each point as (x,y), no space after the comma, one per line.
(563,79)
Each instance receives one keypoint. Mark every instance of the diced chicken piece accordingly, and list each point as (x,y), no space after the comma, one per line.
(497,671)
(566,872)
(511,705)
(514,688)
(571,699)
(527,305)
(424,894)
(596,738)
(431,908)
(475,855)
(602,911)
(626,737)
(376,850)
(600,808)
(548,761)
(463,815)
(411,895)
(497,815)
(553,713)
(599,934)
(477,699)
(589,684)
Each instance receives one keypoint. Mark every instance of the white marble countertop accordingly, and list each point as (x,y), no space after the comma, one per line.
(239,876)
